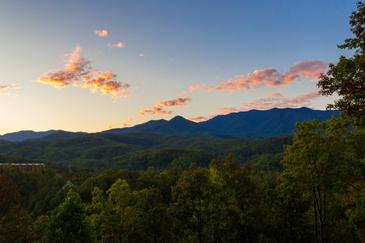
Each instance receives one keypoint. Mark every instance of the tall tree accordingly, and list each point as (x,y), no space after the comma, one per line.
(14,220)
(347,77)
(203,208)
(119,211)
(319,162)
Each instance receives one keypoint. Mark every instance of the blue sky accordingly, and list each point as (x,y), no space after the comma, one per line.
(168,47)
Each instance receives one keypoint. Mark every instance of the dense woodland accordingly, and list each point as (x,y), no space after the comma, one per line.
(317,196)
(314,191)
(141,151)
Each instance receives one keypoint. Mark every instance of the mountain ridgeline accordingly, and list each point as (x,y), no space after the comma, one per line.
(248,124)
(255,137)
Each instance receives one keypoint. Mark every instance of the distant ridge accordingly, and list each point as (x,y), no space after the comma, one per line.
(264,123)
(44,135)
(176,126)
(245,124)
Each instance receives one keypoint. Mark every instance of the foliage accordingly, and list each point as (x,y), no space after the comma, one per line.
(315,195)
(138,152)
(68,221)
(347,77)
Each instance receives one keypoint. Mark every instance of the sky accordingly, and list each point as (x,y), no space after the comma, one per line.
(95,65)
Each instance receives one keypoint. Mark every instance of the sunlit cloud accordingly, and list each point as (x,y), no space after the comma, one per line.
(311,70)
(79,72)
(158,109)
(266,78)
(200,118)
(272,100)
(275,95)
(127,122)
(102,32)
(276,101)
(196,87)
(117,45)
(7,88)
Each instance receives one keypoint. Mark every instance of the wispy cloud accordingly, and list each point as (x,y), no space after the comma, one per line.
(7,88)
(266,78)
(275,95)
(102,32)
(158,109)
(273,101)
(79,72)
(311,70)
(127,122)
(200,118)
(118,45)
(196,87)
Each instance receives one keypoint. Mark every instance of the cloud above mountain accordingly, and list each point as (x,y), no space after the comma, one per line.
(200,118)
(79,72)
(273,101)
(159,108)
(266,78)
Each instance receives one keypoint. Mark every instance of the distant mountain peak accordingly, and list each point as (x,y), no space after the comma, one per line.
(264,123)
(180,119)
(177,118)
(253,123)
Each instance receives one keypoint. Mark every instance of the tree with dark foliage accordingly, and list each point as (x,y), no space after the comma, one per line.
(347,77)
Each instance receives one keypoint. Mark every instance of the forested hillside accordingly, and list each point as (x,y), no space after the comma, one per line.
(140,151)
(315,193)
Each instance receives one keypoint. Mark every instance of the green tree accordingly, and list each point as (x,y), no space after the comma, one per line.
(320,164)
(243,203)
(40,229)
(153,223)
(68,221)
(97,213)
(291,204)
(347,77)
(202,209)
(14,220)
(119,216)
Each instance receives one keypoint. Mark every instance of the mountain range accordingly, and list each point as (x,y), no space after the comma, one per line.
(246,124)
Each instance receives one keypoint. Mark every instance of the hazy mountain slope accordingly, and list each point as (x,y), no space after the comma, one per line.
(139,151)
(248,124)
(44,135)
(269,123)
(176,126)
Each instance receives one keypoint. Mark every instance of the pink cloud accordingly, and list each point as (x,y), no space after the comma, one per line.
(276,101)
(102,32)
(79,72)
(196,87)
(266,78)
(127,122)
(199,118)
(5,88)
(229,85)
(275,95)
(311,69)
(158,109)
